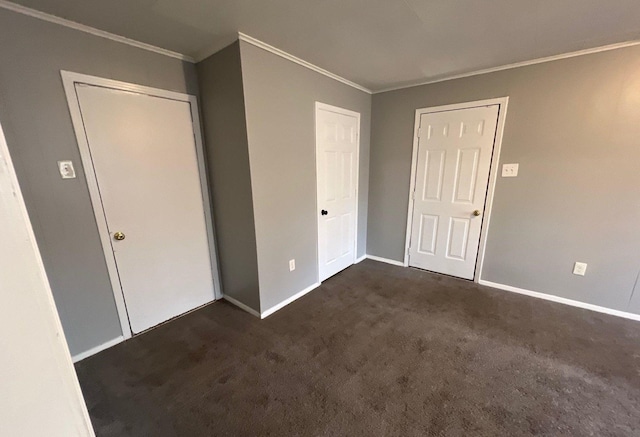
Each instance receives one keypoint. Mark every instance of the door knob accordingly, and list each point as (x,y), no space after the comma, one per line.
(118,236)
(476,212)
(324,212)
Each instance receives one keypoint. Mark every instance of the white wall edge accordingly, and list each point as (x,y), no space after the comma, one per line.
(286,302)
(292,58)
(241,305)
(359,260)
(91,30)
(63,359)
(514,65)
(94,350)
(562,300)
(386,260)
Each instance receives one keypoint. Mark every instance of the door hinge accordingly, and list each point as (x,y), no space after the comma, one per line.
(419,132)
(413,196)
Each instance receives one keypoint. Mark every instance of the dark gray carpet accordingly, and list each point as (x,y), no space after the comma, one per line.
(377,350)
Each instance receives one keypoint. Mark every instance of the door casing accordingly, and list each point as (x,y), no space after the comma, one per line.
(493,172)
(326,107)
(69,80)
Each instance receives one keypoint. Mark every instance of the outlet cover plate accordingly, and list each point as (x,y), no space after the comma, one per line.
(66,169)
(509,170)
(579,268)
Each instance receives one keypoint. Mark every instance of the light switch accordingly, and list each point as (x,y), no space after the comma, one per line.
(66,169)
(509,170)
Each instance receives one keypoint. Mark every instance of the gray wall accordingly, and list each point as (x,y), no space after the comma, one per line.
(223,110)
(280,101)
(35,117)
(573,125)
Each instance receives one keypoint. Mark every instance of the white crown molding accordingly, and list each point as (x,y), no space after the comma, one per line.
(91,30)
(290,57)
(514,65)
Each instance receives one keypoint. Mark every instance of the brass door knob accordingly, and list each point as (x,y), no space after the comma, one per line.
(118,236)
(476,212)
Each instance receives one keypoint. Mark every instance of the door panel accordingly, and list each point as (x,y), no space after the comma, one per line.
(452,174)
(144,157)
(336,154)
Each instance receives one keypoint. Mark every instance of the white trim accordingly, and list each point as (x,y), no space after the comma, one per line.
(290,57)
(63,359)
(359,260)
(69,80)
(91,30)
(502,103)
(286,302)
(241,305)
(343,111)
(491,188)
(562,300)
(206,197)
(567,55)
(94,350)
(386,260)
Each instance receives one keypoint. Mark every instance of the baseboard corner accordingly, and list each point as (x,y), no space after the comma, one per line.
(386,260)
(94,350)
(241,305)
(286,302)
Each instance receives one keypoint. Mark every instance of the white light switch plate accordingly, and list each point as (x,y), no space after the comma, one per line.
(509,170)
(292,265)
(66,169)
(580,268)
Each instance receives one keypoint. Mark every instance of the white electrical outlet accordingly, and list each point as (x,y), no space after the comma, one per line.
(66,169)
(292,265)
(579,268)
(509,170)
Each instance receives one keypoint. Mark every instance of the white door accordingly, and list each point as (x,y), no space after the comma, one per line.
(337,132)
(452,174)
(144,157)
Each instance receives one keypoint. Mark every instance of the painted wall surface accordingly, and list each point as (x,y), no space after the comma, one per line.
(280,101)
(34,113)
(573,126)
(40,390)
(224,123)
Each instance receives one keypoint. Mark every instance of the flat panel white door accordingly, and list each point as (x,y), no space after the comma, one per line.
(144,157)
(337,160)
(452,174)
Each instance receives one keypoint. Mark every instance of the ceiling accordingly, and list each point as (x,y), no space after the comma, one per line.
(376,43)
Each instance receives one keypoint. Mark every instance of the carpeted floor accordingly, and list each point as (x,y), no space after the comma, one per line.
(377,350)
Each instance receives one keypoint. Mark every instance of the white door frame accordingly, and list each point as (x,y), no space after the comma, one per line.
(69,79)
(493,172)
(336,109)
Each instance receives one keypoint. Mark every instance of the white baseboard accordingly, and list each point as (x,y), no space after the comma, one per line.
(286,302)
(386,260)
(94,350)
(242,306)
(359,260)
(563,300)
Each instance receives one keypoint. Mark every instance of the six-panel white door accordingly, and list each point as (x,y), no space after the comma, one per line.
(452,174)
(336,160)
(144,157)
